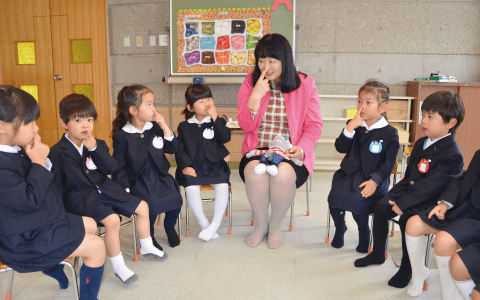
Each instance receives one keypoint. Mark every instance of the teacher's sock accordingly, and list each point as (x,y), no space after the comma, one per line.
(90,281)
(58,273)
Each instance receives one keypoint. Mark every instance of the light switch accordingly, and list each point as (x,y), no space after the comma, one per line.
(163,40)
(126,41)
(139,40)
(153,40)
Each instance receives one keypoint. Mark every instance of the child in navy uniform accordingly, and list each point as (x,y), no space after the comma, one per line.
(435,161)
(457,216)
(140,140)
(202,156)
(36,233)
(371,147)
(83,164)
(465,269)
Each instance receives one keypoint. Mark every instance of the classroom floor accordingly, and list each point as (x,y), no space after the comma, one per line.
(225,268)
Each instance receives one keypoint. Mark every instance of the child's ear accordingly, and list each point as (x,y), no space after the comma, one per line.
(133,110)
(383,107)
(450,124)
(190,108)
(3,128)
(63,124)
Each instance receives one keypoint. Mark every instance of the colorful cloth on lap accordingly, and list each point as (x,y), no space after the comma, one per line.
(275,119)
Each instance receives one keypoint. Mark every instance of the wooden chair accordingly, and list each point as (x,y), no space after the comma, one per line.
(228,213)
(67,262)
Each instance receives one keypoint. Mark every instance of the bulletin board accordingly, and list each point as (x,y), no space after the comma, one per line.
(209,38)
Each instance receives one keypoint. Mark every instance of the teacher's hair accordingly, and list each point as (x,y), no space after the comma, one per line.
(276,46)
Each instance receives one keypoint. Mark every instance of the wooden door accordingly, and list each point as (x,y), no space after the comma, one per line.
(71,41)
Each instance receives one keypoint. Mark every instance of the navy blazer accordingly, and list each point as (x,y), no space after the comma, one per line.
(422,190)
(131,150)
(458,191)
(191,137)
(377,166)
(78,185)
(28,199)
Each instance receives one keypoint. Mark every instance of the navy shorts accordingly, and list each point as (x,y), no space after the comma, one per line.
(109,206)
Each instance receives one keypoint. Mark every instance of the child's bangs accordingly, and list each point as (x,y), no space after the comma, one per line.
(200,91)
(369,90)
(85,112)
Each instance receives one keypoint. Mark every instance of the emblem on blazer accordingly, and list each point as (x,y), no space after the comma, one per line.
(208,133)
(423,165)
(157,142)
(376,146)
(90,164)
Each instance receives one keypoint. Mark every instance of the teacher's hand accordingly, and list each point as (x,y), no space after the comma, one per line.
(261,89)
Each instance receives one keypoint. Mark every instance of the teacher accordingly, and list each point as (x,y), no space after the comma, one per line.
(272,100)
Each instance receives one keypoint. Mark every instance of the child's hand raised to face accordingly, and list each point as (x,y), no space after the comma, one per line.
(189,171)
(160,120)
(355,122)
(37,151)
(90,142)
(212,111)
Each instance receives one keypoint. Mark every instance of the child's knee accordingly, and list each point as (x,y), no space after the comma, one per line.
(445,244)
(414,225)
(90,225)
(142,209)
(111,222)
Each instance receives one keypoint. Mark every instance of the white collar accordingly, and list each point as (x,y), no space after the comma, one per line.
(79,149)
(193,119)
(379,124)
(10,149)
(428,142)
(132,129)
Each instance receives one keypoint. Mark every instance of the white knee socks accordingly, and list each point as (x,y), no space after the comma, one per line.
(449,289)
(220,204)
(416,247)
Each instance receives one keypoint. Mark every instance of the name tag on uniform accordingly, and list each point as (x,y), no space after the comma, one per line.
(157,142)
(376,146)
(208,133)
(90,164)
(423,165)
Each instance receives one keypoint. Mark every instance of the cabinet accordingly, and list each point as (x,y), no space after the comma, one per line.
(468,132)
(333,116)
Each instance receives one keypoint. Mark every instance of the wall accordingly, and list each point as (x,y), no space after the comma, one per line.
(341,44)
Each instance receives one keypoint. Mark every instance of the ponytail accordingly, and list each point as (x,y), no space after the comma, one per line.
(128,96)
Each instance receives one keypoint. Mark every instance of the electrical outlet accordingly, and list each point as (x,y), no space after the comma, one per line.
(126,41)
(153,40)
(163,40)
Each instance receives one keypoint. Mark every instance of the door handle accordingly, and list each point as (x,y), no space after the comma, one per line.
(57,77)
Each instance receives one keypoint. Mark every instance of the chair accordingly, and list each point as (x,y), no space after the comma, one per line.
(228,213)
(67,262)
(407,151)
(327,239)
(308,189)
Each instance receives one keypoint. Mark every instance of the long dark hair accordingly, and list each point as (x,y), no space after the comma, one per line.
(193,93)
(277,46)
(128,96)
(17,106)
(379,89)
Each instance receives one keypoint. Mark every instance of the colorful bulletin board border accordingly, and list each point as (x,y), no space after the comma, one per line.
(217,15)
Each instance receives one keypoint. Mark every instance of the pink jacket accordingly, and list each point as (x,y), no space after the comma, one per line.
(303,113)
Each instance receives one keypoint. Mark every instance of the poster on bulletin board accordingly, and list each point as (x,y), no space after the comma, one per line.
(209,38)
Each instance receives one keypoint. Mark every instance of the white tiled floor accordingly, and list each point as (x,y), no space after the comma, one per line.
(225,268)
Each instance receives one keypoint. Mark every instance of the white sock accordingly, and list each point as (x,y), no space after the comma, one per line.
(220,204)
(119,267)
(195,203)
(147,247)
(449,289)
(465,288)
(416,247)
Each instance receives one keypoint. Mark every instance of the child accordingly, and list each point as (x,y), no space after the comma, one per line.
(36,233)
(202,157)
(458,210)
(435,161)
(371,147)
(83,164)
(465,269)
(140,140)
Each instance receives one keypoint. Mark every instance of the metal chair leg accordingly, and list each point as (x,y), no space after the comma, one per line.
(386,243)
(179,222)
(308,185)
(291,217)
(74,276)
(135,248)
(311,182)
(10,286)
(252,223)
(187,233)
(327,234)
(370,244)
(428,259)
(158,220)
(230,198)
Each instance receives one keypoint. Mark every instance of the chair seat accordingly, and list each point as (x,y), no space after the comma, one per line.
(208,187)
(3,266)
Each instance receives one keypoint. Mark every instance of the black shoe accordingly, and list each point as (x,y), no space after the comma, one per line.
(401,279)
(173,238)
(370,259)
(156,244)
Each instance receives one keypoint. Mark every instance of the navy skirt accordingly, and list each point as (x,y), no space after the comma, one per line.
(160,191)
(207,172)
(42,248)
(346,193)
(300,171)
(470,256)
